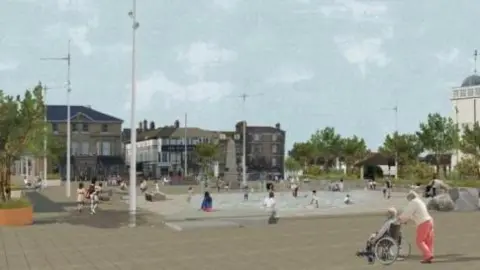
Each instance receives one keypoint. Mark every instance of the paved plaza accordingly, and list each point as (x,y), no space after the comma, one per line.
(62,239)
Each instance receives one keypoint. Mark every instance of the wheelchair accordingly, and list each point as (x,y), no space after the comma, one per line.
(391,246)
(388,248)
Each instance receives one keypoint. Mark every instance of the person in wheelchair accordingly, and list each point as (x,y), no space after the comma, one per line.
(390,228)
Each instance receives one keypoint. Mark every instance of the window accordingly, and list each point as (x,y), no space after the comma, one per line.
(75,148)
(54,127)
(99,148)
(85,127)
(104,128)
(274,137)
(223,136)
(256,137)
(274,162)
(236,136)
(74,127)
(85,148)
(274,149)
(106,148)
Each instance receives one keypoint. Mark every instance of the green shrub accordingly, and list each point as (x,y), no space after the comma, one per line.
(15,203)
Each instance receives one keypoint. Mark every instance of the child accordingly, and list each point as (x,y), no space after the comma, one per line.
(189,194)
(347,199)
(270,205)
(143,186)
(246,190)
(314,199)
(207,203)
(80,197)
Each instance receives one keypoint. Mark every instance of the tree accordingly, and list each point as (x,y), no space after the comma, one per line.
(438,135)
(407,146)
(206,154)
(292,165)
(470,143)
(302,152)
(354,148)
(468,168)
(327,144)
(22,129)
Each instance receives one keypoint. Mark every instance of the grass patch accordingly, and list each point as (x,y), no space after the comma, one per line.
(15,204)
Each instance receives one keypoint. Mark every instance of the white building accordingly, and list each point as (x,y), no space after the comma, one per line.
(466,106)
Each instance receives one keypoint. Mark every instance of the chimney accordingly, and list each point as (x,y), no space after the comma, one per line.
(152,125)
(177,124)
(277,125)
(145,124)
(140,126)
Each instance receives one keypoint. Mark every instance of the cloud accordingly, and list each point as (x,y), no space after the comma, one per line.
(226,4)
(79,37)
(201,56)
(447,57)
(290,76)
(352,10)
(363,53)
(8,66)
(158,83)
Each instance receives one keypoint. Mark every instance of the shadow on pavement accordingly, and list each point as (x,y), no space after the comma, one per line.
(447,258)
(43,204)
(103,219)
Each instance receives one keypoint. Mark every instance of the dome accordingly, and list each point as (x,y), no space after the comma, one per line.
(472,80)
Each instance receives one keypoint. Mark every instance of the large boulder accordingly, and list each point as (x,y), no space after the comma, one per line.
(467,199)
(441,202)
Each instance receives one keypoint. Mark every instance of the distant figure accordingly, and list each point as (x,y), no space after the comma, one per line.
(314,200)
(189,194)
(347,199)
(207,203)
(271,206)
(81,193)
(157,187)
(143,186)
(387,189)
(294,188)
(340,185)
(246,191)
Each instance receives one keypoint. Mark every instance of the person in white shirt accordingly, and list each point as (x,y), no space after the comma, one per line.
(271,206)
(417,211)
(347,199)
(436,185)
(314,200)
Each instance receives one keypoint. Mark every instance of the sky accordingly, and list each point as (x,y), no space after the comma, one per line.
(305,64)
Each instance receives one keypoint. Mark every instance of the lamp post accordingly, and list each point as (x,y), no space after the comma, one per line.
(133,134)
(69,90)
(244,97)
(395,110)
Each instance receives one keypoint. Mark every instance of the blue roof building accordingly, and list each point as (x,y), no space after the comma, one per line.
(58,113)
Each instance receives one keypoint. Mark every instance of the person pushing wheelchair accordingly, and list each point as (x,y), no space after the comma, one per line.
(385,229)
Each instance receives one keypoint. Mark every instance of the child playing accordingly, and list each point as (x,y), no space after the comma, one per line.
(80,197)
(314,200)
(270,205)
(347,199)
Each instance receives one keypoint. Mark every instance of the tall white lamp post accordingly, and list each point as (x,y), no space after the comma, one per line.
(133,134)
(69,90)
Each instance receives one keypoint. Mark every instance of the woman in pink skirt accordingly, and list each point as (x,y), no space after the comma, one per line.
(417,211)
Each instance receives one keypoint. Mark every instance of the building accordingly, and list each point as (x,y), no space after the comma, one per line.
(466,106)
(161,151)
(265,147)
(96,145)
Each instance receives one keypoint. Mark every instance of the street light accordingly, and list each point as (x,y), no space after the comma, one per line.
(69,90)
(244,97)
(395,109)
(133,134)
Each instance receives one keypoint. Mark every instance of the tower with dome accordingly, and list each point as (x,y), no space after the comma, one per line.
(466,104)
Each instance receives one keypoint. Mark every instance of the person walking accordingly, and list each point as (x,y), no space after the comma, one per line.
(81,194)
(417,211)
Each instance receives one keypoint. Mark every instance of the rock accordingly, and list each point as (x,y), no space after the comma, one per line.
(441,202)
(155,197)
(467,199)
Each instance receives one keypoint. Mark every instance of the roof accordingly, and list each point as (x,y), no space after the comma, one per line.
(58,113)
(192,132)
(472,80)
(376,159)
